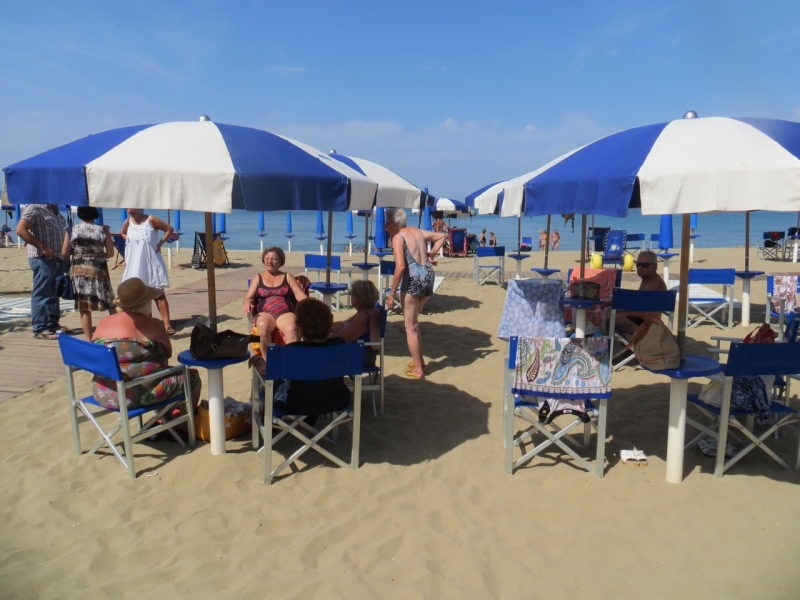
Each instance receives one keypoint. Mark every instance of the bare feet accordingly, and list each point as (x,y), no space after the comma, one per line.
(259,363)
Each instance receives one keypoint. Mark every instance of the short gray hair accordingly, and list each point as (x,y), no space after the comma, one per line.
(397,216)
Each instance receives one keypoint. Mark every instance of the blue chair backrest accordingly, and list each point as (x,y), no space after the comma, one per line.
(654,237)
(119,243)
(94,358)
(774,235)
(634,237)
(644,300)
(712,276)
(387,267)
(319,261)
(790,335)
(490,251)
(458,237)
(762,359)
(614,244)
(309,363)
(384,314)
(527,241)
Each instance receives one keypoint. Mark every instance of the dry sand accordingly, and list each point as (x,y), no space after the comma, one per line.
(430,513)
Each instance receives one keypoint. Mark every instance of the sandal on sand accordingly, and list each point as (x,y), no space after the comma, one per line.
(630,455)
(409,372)
(45,335)
(709,448)
(170,331)
(410,365)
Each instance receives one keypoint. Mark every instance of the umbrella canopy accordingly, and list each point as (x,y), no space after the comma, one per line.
(201,166)
(393,190)
(451,208)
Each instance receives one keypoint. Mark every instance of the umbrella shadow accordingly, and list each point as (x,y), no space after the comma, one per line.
(411,430)
(439,304)
(438,339)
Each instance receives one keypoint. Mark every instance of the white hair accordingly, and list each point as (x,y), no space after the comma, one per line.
(397,216)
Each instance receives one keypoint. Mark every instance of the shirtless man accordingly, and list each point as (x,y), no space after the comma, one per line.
(646,268)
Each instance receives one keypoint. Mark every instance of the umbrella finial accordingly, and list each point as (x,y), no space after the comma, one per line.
(332,151)
(204,118)
(690,114)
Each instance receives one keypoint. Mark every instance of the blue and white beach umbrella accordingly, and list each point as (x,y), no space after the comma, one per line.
(201,166)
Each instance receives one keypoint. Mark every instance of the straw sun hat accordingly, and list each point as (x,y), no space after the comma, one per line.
(133,292)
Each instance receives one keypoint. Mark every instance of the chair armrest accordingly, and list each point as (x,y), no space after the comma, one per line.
(156,375)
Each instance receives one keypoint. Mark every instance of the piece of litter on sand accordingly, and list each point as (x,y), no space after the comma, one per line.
(152,474)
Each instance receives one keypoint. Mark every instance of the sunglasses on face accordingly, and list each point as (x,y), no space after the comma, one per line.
(643,265)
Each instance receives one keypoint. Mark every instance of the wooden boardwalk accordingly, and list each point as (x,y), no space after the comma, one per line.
(26,363)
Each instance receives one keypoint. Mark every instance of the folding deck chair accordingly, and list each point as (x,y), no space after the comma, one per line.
(494,271)
(771,245)
(199,257)
(385,276)
(374,373)
(614,247)
(707,304)
(744,360)
(319,264)
(526,244)
(457,242)
(305,364)
(119,244)
(634,238)
(80,355)
(532,311)
(638,301)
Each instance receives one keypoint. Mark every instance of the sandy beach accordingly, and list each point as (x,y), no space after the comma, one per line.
(430,513)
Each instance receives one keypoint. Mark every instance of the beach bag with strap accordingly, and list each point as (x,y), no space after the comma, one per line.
(655,347)
(208,344)
(763,334)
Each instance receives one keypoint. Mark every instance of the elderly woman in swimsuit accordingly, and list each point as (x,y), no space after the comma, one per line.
(271,293)
(413,274)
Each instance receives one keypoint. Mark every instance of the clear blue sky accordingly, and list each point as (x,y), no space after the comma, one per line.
(452,95)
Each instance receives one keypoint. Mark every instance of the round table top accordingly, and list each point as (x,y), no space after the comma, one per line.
(365,266)
(692,365)
(748,274)
(328,288)
(667,255)
(380,254)
(543,271)
(694,235)
(186,358)
(518,256)
(581,302)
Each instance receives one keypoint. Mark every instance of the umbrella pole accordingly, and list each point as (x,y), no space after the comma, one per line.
(583,245)
(169,246)
(330,247)
(519,233)
(212,286)
(547,245)
(747,240)
(366,236)
(683,288)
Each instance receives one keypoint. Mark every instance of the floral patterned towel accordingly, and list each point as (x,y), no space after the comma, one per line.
(784,287)
(532,310)
(563,367)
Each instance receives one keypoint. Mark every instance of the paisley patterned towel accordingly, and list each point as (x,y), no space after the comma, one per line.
(532,310)
(563,367)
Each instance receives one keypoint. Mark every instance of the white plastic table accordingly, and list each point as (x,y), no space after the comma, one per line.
(518,257)
(746,276)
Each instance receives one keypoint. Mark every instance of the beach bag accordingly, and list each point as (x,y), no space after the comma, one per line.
(237,419)
(64,287)
(655,347)
(207,344)
(763,334)
(584,290)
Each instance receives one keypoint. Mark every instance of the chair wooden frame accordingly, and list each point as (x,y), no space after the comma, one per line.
(80,355)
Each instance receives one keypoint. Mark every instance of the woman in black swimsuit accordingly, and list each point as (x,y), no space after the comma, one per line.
(413,274)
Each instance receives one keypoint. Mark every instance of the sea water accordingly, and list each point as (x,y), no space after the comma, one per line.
(716,230)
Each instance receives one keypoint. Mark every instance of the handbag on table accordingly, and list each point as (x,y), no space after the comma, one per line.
(208,344)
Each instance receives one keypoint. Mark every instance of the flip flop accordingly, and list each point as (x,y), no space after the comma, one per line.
(640,457)
(410,365)
(45,335)
(628,457)
(409,372)
(709,448)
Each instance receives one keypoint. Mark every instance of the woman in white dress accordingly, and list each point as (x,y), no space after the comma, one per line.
(143,255)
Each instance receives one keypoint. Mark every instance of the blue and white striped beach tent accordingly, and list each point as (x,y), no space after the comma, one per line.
(201,166)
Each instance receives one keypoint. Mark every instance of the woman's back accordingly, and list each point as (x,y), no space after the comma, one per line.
(415,244)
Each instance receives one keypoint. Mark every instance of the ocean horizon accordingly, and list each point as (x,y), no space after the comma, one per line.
(716,230)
